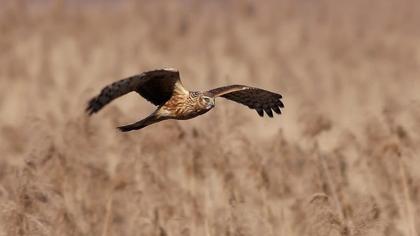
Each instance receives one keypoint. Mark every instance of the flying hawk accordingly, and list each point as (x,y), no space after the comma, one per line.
(164,89)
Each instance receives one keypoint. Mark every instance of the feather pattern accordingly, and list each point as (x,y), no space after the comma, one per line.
(259,99)
(155,86)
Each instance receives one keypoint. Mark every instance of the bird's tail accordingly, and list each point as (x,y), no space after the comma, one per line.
(140,124)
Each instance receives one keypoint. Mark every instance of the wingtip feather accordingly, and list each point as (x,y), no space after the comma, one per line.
(91,107)
(277,109)
(260,112)
(281,104)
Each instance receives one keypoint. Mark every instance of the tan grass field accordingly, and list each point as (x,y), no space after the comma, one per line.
(343,159)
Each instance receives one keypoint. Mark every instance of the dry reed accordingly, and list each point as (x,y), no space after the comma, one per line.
(342,159)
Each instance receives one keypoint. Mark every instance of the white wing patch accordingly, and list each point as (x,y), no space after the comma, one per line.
(179,89)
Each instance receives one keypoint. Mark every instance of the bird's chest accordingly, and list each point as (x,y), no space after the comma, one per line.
(182,107)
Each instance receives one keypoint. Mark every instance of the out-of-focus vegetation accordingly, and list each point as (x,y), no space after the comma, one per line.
(343,159)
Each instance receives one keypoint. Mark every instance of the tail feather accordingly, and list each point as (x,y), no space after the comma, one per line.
(139,124)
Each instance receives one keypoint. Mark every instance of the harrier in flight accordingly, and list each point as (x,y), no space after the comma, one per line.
(164,89)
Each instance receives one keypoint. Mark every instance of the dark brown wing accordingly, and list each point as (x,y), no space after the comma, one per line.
(255,98)
(156,86)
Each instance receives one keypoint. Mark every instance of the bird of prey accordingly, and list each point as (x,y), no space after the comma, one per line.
(164,89)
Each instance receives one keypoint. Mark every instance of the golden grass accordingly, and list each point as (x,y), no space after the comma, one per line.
(342,160)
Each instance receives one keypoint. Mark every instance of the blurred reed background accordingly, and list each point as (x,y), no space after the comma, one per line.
(343,159)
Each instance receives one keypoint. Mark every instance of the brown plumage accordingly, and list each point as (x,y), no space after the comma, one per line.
(164,89)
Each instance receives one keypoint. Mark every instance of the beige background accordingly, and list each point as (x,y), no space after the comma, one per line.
(343,159)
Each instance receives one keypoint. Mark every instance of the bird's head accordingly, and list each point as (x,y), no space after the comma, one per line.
(207,102)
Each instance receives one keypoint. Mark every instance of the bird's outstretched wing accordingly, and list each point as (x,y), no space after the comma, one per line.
(255,98)
(157,86)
